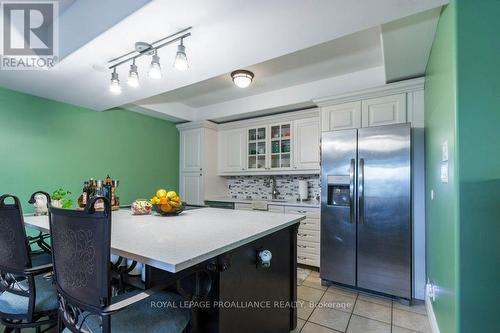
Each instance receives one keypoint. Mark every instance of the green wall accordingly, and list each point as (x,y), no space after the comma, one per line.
(441,214)
(478,98)
(46,144)
(463,221)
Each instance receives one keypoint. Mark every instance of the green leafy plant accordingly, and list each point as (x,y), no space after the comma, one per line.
(62,195)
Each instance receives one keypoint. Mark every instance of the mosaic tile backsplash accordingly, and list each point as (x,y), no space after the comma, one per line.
(260,187)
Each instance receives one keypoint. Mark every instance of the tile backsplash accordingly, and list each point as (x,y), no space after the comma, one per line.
(259,187)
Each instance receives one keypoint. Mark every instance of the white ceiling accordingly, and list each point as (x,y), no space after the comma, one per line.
(319,41)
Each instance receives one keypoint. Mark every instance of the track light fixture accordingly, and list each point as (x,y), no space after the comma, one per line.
(115,87)
(181,61)
(155,68)
(133,75)
(146,49)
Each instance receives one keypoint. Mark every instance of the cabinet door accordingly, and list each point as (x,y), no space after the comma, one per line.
(385,110)
(257,148)
(280,146)
(341,116)
(191,150)
(191,188)
(306,148)
(232,150)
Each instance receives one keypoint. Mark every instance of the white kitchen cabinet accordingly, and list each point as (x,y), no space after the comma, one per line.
(198,178)
(257,138)
(191,187)
(341,116)
(306,134)
(280,146)
(191,150)
(384,110)
(232,150)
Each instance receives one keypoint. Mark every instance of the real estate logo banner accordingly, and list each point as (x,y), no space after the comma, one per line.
(30,35)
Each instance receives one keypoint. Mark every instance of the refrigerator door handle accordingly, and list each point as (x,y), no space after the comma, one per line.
(361,191)
(351,191)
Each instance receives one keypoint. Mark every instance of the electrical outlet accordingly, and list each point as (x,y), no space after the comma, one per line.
(431,291)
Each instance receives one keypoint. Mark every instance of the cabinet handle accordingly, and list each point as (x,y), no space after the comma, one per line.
(303,258)
(201,174)
(302,211)
(201,169)
(302,246)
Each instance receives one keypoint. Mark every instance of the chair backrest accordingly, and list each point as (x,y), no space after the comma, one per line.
(14,248)
(81,242)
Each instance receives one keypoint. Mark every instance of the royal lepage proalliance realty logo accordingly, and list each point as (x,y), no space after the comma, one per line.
(30,35)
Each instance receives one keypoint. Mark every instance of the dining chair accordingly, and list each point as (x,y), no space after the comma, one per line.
(81,246)
(28,297)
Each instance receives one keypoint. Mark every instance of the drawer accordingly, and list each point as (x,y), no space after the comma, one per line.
(311,224)
(310,212)
(308,235)
(308,259)
(243,206)
(276,209)
(308,247)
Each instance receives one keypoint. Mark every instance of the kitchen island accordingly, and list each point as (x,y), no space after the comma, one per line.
(221,247)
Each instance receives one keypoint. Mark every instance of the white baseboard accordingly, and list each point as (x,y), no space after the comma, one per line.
(430,312)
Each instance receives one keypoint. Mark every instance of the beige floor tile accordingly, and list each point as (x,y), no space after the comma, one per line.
(344,291)
(359,324)
(313,328)
(417,308)
(309,294)
(397,329)
(338,301)
(300,324)
(375,299)
(411,320)
(373,311)
(304,309)
(330,318)
(314,282)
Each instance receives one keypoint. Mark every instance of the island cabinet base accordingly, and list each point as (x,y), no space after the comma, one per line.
(243,296)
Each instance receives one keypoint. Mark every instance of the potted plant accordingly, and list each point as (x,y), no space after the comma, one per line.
(60,199)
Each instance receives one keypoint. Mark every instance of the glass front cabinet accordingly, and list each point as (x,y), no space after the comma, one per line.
(269,147)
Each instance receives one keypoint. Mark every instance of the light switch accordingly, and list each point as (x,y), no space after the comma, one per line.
(444,172)
(444,152)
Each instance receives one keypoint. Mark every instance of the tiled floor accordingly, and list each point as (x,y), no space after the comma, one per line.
(333,310)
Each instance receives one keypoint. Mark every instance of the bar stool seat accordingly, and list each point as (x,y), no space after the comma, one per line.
(159,313)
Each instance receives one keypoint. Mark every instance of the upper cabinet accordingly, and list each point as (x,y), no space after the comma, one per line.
(341,116)
(306,143)
(232,151)
(270,145)
(394,103)
(384,110)
(191,150)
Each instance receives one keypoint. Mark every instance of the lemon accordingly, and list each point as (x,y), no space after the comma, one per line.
(176,199)
(171,194)
(174,204)
(161,193)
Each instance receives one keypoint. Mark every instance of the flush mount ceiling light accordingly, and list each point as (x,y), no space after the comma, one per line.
(242,78)
(146,49)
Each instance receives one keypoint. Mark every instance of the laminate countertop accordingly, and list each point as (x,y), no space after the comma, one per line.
(173,243)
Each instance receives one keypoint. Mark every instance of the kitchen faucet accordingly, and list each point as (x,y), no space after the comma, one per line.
(274,192)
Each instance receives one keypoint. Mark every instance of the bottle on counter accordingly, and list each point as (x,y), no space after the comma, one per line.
(99,192)
(108,189)
(85,193)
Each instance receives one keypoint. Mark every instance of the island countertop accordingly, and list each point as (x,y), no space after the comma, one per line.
(174,243)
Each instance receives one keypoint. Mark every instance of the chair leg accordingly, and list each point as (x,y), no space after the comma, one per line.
(8,330)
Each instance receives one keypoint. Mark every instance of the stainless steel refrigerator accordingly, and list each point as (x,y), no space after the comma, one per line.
(365,209)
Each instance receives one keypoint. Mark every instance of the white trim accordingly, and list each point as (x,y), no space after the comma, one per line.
(197,124)
(271,172)
(266,120)
(430,312)
(388,89)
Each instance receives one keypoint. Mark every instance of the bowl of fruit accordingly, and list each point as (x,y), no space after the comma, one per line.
(167,203)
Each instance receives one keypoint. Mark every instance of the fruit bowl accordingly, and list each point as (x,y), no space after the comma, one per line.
(174,212)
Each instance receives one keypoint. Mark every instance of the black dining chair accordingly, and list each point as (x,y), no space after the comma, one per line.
(81,242)
(28,297)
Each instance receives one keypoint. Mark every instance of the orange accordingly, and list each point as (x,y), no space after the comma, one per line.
(163,200)
(166,208)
